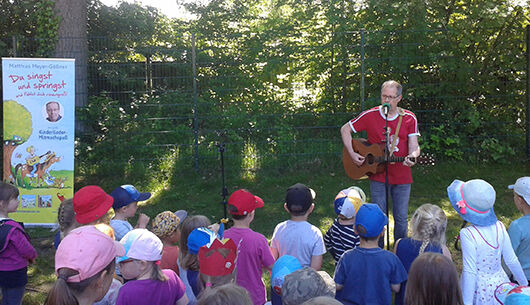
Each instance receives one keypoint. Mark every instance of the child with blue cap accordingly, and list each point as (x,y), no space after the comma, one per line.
(369,274)
(125,205)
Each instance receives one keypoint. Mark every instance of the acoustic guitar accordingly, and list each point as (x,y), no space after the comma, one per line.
(373,159)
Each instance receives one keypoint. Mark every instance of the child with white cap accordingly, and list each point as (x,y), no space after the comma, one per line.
(84,264)
(484,243)
(148,284)
(519,229)
(341,236)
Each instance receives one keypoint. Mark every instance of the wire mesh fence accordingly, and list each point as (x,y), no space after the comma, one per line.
(272,103)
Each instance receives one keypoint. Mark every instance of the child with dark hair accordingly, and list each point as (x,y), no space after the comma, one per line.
(84,265)
(433,280)
(297,237)
(16,250)
(254,253)
(148,284)
(369,274)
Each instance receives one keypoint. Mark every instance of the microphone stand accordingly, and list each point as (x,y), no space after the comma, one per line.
(386,160)
(224,191)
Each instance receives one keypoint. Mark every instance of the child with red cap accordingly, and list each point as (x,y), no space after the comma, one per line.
(91,204)
(253,250)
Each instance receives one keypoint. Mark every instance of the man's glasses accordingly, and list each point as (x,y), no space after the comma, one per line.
(389,97)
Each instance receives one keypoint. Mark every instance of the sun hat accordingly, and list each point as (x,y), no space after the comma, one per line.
(91,203)
(244,202)
(218,258)
(372,220)
(201,237)
(299,198)
(86,250)
(165,223)
(306,283)
(522,188)
(473,201)
(127,194)
(141,244)
(282,267)
(348,201)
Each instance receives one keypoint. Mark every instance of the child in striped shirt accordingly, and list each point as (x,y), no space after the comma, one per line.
(341,237)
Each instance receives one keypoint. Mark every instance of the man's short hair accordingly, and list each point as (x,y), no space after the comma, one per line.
(393,83)
(52,102)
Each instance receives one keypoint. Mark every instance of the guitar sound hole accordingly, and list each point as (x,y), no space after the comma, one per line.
(369,159)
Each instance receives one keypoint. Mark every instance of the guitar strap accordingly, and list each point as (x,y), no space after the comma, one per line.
(394,142)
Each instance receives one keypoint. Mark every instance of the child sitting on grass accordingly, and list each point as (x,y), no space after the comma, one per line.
(341,236)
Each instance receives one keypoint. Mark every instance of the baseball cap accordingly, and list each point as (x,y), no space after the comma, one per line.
(141,244)
(348,201)
(522,188)
(200,237)
(126,194)
(165,223)
(86,250)
(372,220)
(282,267)
(299,198)
(91,203)
(306,283)
(244,202)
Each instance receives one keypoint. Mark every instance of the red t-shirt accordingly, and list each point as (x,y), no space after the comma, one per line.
(169,258)
(373,122)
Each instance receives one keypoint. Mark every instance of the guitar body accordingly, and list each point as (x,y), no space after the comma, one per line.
(370,166)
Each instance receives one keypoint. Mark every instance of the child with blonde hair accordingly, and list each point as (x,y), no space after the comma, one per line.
(485,243)
(148,284)
(16,250)
(428,225)
(84,265)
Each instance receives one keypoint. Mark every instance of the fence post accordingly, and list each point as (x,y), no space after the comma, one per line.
(362,70)
(14,46)
(195,122)
(528,91)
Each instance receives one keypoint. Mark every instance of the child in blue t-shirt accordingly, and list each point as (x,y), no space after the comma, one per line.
(519,229)
(369,274)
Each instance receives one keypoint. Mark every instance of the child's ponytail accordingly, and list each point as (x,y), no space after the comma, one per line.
(60,293)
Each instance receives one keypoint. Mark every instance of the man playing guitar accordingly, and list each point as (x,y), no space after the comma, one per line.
(403,142)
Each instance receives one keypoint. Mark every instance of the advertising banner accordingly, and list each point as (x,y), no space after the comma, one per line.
(38,146)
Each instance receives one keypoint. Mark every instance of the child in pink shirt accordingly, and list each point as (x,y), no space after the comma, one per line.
(253,250)
(15,249)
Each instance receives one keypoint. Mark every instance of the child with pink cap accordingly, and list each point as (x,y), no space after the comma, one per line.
(148,284)
(484,243)
(16,250)
(84,265)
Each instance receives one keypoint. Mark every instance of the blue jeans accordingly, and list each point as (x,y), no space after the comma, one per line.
(12,296)
(400,194)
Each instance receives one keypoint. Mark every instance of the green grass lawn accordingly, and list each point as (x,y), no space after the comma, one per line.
(200,193)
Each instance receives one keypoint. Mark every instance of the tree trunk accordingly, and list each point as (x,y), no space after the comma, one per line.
(73,42)
(9,147)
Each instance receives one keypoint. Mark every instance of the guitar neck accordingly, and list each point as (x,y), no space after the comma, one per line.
(393,159)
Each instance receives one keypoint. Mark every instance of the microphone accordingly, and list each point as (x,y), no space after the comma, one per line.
(386,108)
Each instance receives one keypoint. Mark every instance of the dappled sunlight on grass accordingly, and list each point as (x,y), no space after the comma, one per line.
(325,223)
